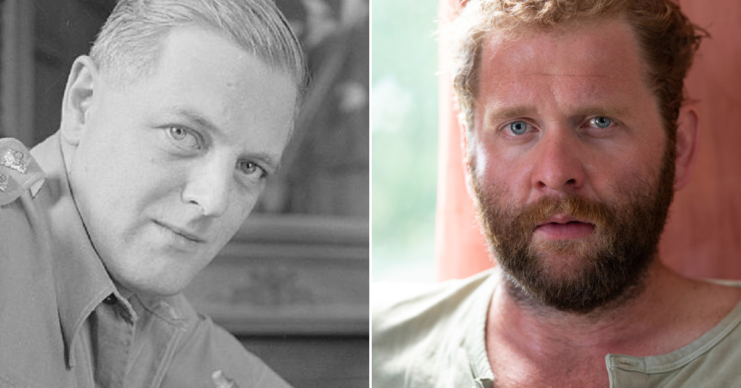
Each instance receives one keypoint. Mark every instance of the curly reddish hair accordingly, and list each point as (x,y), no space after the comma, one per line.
(667,42)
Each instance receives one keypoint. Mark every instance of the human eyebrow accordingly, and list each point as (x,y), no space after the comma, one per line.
(598,110)
(498,114)
(504,113)
(199,120)
(272,162)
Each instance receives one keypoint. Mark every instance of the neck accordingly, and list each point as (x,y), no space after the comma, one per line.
(531,345)
(621,327)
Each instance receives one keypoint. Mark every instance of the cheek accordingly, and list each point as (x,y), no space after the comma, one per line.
(637,161)
(241,206)
(500,171)
(245,208)
(136,185)
(113,163)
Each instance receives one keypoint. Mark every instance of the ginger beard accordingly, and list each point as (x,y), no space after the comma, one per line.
(579,275)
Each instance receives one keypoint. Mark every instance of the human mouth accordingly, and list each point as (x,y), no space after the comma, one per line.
(182,233)
(563,227)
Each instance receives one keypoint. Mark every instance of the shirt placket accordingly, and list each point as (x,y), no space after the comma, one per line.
(157,337)
(112,335)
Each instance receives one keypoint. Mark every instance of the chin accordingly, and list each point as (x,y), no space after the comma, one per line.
(159,290)
(156,286)
(159,274)
(562,272)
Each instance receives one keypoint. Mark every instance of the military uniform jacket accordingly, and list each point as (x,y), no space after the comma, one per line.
(63,323)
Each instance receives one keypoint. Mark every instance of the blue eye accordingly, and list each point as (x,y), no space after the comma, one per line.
(184,138)
(518,127)
(600,122)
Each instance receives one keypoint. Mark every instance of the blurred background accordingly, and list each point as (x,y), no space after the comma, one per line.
(405,132)
(293,283)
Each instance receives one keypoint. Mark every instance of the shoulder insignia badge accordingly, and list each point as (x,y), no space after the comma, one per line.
(18,170)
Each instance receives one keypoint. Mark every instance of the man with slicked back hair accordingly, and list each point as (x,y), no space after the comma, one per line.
(170,129)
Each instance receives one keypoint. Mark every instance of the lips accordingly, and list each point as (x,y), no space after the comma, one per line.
(562,219)
(182,232)
(563,227)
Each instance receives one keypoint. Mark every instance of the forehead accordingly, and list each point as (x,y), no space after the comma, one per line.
(597,62)
(201,71)
(200,59)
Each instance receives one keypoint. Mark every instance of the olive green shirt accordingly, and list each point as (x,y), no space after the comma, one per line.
(434,338)
(63,323)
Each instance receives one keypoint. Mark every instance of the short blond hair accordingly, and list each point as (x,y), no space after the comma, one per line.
(667,42)
(128,45)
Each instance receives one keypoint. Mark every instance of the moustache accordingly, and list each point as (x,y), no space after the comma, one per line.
(525,220)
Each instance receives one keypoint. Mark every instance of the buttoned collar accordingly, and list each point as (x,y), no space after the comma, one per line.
(82,281)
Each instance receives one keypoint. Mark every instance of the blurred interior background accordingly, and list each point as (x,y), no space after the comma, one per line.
(293,283)
(405,132)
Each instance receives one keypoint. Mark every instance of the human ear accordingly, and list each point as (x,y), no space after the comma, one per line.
(687,145)
(78,98)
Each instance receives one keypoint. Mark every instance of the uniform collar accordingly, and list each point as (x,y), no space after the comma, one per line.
(82,282)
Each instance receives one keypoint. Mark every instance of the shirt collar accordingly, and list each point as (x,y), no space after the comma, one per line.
(475,341)
(82,282)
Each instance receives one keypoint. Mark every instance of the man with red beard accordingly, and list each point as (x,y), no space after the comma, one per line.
(577,134)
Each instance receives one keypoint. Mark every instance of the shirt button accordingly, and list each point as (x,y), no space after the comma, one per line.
(110,300)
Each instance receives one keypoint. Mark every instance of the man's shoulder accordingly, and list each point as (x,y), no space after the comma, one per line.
(23,230)
(709,361)
(19,172)
(394,304)
(418,330)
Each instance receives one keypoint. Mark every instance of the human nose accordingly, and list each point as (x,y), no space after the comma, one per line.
(208,188)
(559,167)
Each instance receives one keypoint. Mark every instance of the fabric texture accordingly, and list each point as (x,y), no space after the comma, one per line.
(434,338)
(63,322)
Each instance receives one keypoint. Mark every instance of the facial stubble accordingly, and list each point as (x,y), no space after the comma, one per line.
(607,268)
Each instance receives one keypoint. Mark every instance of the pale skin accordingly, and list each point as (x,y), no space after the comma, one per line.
(166,167)
(558,83)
